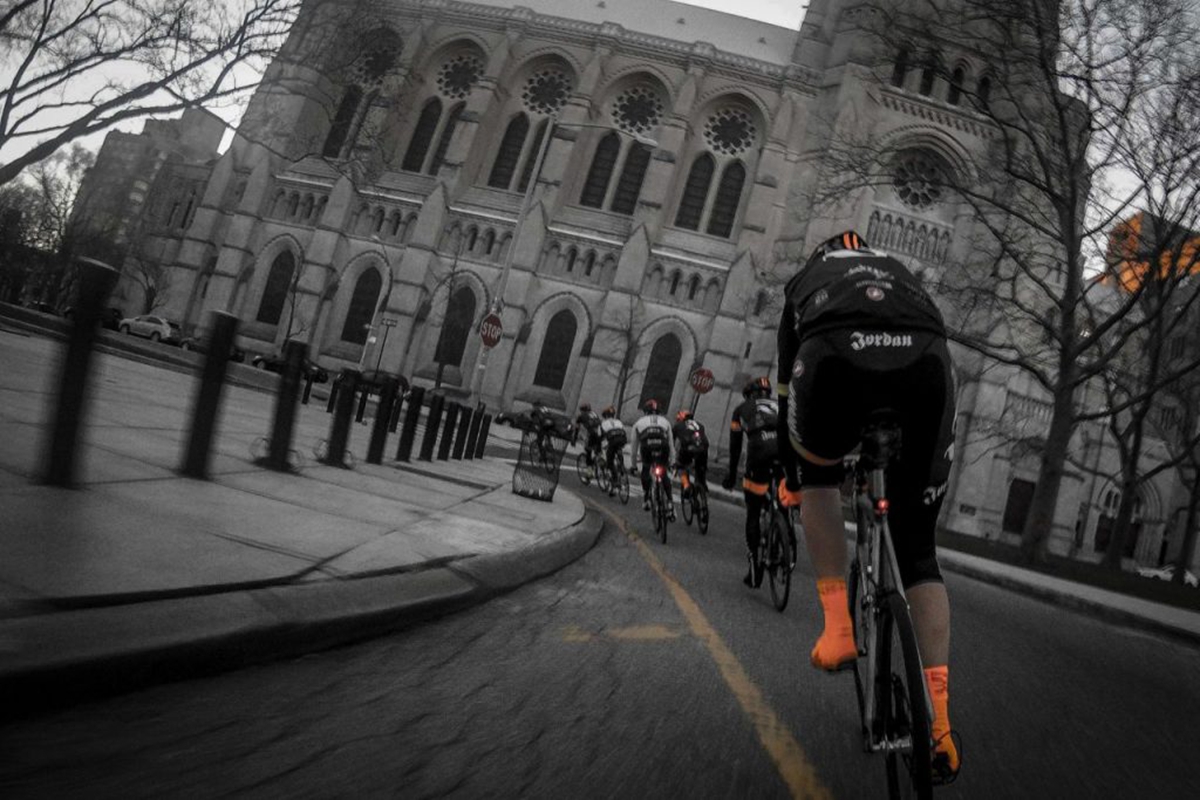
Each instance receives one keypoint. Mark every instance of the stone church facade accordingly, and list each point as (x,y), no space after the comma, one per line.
(669,152)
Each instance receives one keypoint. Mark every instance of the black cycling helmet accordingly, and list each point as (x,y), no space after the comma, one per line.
(609,412)
(585,406)
(846,240)
(760,386)
(650,406)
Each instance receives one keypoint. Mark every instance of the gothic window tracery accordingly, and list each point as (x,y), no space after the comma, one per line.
(275,291)
(918,180)
(362,307)
(458,76)
(731,137)
(555,357)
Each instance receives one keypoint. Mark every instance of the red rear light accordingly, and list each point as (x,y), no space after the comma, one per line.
(659,470)
(881,506)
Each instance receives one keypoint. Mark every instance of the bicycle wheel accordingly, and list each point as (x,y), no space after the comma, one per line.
(602,479)
(687,505)
(583,469)
(700,498)
(904,718)
(779,560)
(659,508)
(623,484)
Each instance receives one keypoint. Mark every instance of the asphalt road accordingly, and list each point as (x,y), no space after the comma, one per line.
(642,670)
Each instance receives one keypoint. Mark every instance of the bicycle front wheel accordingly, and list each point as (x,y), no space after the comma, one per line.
(660,511)
(779,560)
(687,505)
(623,485)
(602,479)
(583,469)
(700,498)
(903,713)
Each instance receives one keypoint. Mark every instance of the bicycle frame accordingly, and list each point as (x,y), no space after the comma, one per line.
(880,573)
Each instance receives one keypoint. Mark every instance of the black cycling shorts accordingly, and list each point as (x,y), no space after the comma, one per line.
(838,379)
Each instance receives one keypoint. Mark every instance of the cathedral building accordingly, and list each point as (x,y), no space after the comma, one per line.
(628,184)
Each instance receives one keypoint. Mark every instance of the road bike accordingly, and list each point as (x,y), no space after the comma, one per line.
(888,674)
(776,545)
(587,467)
(694,502)
(659,504)
(615,484)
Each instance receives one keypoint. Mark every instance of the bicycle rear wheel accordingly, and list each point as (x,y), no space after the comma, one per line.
(687,505)
(903,715)
(779,560)
(659,507)
(583,469)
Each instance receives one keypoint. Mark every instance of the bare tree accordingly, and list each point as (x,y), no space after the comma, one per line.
(80,66)
(623,338)
(1070,96)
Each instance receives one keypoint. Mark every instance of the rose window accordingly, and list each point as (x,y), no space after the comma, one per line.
(375,63)
(637,110)
(918,181)
(546,92)
(457,76)
(730,131)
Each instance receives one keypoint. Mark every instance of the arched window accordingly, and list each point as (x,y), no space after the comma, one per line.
(695,191)
(422,136)
(275,292)
(589,264)
(439,156)
(693,287)
(596,185)
(460,312)
(505,165)
(531,156)
(674,282)
(556,351)
(900,68)
(632,175)
(982,91)
(571,256)
(362,307)
(342,121)
(956,86)
(729,197)
(661,370)
(928,73)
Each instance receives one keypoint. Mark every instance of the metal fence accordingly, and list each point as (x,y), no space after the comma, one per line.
(538,465)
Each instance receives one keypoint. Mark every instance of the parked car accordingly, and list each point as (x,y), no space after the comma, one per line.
(156,329)
(110,319)
(1167,573)
(564,426)
(200,345)
(275,364)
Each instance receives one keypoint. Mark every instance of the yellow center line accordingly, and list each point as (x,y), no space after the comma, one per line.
(793,765)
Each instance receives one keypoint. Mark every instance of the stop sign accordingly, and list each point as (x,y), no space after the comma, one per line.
(702,380)
(490,330)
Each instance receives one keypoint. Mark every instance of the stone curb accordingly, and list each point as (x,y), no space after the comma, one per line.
(92,653)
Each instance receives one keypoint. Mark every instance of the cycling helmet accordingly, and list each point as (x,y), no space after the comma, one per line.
(847,240)
(760,385)
(683,414)
(609,412)
(650,406)
(585,406)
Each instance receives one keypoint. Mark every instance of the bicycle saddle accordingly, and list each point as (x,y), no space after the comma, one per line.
(881,437)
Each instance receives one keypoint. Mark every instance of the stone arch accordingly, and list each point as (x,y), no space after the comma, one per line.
(712,295)
(539,326)
(450,45)
(734,94)
(689,344)
(654,280)
(551,256)
(923,136)
(258,271)
(634,74)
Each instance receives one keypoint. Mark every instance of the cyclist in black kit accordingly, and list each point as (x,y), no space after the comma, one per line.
(588,422)
(755,420)
(859,334)
(691,450)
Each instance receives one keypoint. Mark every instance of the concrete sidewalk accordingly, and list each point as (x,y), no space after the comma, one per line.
(141,575)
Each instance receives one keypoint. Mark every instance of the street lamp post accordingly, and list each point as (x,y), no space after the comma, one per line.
(526,201)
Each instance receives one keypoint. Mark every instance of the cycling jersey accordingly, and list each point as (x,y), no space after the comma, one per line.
(589,421)
(652,437)
(757,421)
(612,431)
(690,437)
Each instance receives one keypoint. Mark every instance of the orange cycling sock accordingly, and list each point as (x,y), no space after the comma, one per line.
(835,649)
(938,681)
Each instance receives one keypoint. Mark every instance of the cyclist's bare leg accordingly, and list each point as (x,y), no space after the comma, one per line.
(821,512)
(931,616)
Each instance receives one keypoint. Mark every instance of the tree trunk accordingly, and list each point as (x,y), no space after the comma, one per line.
(1040,521)
(1184,559)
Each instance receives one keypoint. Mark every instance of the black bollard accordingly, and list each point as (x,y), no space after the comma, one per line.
(96,280)
(333,390)
(464,425)
(483,434)
(448,431)
(473,434)
(308,382)
(207,404)
(362,403)
(339,429)
(294,355)
(383,417)
(436,403)
(416,396)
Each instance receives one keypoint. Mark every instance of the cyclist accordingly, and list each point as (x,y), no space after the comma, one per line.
(588,422)
(756,419)
(858,334)
(691,450)
(544,426)
(652,440)
(612,433)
